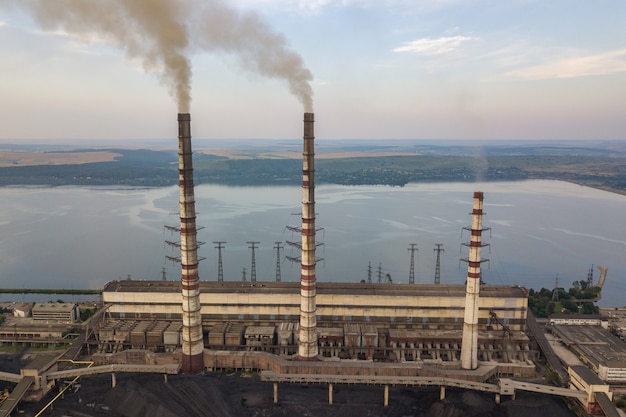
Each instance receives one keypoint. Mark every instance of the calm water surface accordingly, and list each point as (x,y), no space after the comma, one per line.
(82,237)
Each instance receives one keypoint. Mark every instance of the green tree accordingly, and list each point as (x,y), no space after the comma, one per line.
(590,308)
(570,306)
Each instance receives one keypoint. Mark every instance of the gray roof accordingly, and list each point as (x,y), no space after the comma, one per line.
(587,375)
(431,290)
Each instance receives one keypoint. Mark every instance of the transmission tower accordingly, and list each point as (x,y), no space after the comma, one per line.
(253,266)
(369,273)
(380,273)
(164,274)
(243,275)
(438,249)
(555,293)
(590,278)
(412,249)
(278,248)
(220,268)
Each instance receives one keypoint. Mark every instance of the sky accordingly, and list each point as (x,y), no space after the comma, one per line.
(381,69)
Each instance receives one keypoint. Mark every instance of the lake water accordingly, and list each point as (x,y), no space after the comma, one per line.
(82,237)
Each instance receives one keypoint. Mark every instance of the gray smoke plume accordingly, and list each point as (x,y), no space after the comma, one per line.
(259,48)
(158,33)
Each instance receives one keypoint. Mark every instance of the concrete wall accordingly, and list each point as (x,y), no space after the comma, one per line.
(411,310)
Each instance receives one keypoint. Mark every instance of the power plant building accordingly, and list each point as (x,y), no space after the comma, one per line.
(398,321)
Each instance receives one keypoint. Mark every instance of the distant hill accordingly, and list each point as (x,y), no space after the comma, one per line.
(596,164)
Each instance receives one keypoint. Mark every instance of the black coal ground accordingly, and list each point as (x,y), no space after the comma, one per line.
(222,395)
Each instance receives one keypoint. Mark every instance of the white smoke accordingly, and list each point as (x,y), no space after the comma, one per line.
(163,34)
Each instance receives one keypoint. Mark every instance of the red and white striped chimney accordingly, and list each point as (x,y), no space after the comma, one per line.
(193,345)
(469,346)
(307,342)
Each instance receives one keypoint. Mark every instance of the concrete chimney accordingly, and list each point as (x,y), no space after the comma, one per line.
(193,345)
(469,346)
(307,343)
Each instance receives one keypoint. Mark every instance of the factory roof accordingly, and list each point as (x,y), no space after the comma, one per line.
(24,307)
(597,344)
(53,307)
(430,290)
(587,375)
(260,330)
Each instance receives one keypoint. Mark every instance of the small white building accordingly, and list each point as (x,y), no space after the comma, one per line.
(575,319)
(22,309)
(613,372)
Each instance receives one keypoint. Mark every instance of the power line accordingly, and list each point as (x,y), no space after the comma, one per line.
(412,249)
(220,267)
(278,248)
(438,249)
(253,266)
(555,293)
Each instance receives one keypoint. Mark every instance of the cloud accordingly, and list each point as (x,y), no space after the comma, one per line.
(428,46)
(2,23)
(606,63)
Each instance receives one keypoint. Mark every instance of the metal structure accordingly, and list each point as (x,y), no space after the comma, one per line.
(469,344)
(192,343)
(438,249)
(307,341)
(369,273)
(253,246)
(220,267)
(590,278)
(278,248)
(555,292)
(412,249)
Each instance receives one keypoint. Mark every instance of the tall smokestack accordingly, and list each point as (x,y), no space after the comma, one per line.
(307,344)
(193,345)
(469,346)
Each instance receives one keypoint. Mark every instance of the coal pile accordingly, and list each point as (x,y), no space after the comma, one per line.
(234,395)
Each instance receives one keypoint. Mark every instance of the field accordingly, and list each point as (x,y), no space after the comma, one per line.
(395,163)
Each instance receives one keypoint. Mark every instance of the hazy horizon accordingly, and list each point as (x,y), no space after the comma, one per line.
(157,141)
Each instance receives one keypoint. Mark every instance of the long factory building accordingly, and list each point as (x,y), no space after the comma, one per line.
(398,321)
